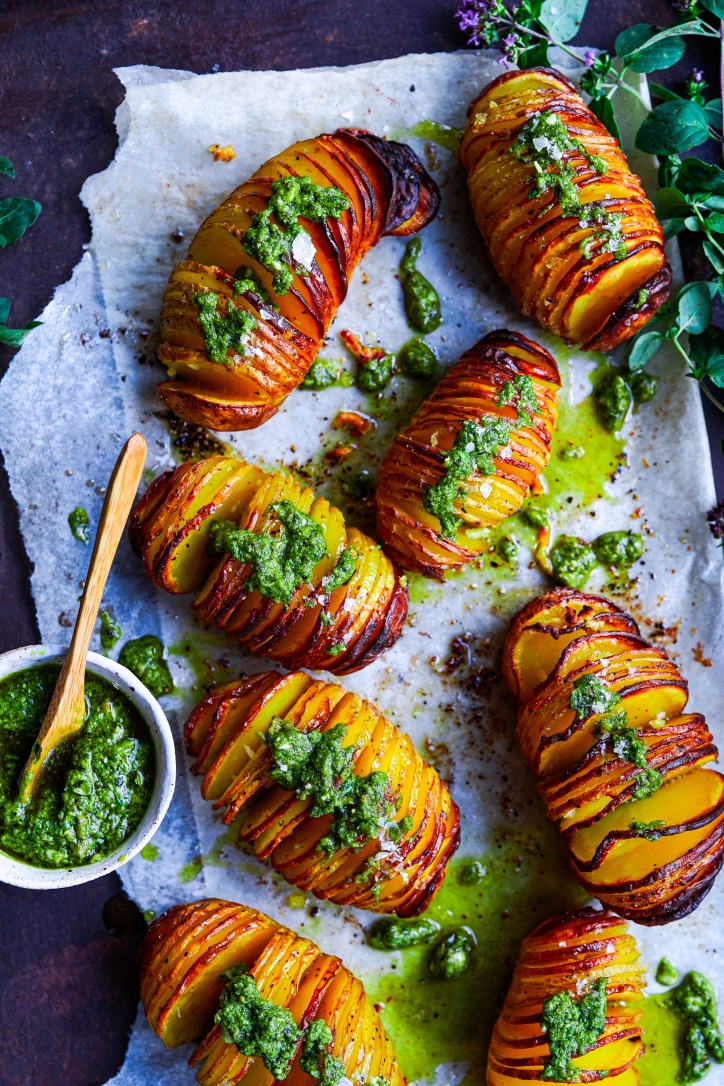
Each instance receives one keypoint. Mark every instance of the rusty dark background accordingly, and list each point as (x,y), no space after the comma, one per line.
(68,987)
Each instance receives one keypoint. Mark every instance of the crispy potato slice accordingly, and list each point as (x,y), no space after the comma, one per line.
(597,301)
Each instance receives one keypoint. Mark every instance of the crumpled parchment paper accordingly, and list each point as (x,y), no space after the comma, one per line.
(85,379)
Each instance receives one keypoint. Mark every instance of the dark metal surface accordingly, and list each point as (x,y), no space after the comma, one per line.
(67,984)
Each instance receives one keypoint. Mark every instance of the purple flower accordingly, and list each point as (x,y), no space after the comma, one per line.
(697,76)
(589,57)
(715,520)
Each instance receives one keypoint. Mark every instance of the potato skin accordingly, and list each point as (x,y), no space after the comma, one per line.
(570,953)
(169,530)
(188,948)
(389,193)
(225,729)
(535,249)
(588,791)
(414,461)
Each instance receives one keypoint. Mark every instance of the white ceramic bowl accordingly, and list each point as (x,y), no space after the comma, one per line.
(19,873)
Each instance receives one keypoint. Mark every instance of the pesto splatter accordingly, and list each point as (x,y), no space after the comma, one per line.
(281,562)
(452,956)
(649,830)
(474,450)
(222,331)
(276,239)
(417,359)
(80,525)
(613,398)
(666,973)
(344,569)
(572,1027)
(618,549)
(316,1058)
(144,656)
(694,1000)
(572,561)
(375,374)
(111,631)
(324,373)
(543,142)
(422,303)
(393,934)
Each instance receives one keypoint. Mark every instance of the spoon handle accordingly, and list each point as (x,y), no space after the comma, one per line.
(66,711)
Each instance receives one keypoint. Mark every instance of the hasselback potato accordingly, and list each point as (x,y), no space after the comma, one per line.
(565,222)
(572,1012)
(620,765)
(244,316)
(297,800)
(214,969)
(303,589)
(469,455)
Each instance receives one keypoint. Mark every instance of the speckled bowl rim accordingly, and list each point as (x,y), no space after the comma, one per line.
(17,873)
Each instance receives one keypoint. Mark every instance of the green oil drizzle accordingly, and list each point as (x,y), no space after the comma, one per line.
(442,134)
(526,881)
(664,1036)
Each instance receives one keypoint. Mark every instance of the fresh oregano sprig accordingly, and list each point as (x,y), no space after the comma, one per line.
(17,214)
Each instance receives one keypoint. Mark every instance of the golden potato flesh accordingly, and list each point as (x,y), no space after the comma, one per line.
(389,192)
(562,268)
(625,781)
(341,630)
(571,954)
(225,734)
(473,391)
(188,948)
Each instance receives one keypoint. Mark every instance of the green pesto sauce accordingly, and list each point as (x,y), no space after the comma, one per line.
(422,303)
(417,359)
(613,399)
(474,449)
(324,373)
(591,695)
(572,1027)
(271,237)
(452,955)
(79,524)
(542,142)
(222,331)
(572,560)
(389,933)
(649,830)
(96,788)
(259,1027)
(317,765)
(527,880)
(681,1032)
(520,393)
(644,387)
(375,374)
(666,973)
(111,632)
(144,656)
(282,562)
(344,570)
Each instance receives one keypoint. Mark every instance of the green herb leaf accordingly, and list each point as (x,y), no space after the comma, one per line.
(17,214)
(706,351)
(602,108)
(664,93)
(716,7)
(670,203)
(713,112)
(6,167)
(714,256)
(673,127)
(4,310)
(643,348)
(693,303)
(13,337)
(695,176)
(646,48)
(715,223)
(562,18)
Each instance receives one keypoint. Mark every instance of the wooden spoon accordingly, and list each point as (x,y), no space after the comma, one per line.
(67,709)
